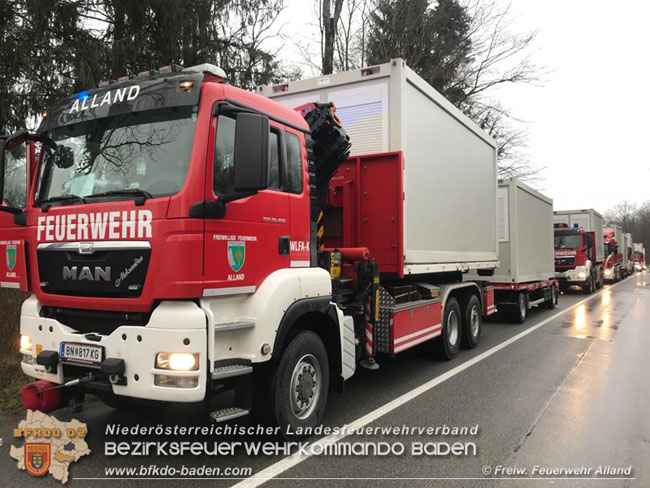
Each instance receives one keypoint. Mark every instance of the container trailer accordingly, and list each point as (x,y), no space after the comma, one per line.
(526,273)
(628,250)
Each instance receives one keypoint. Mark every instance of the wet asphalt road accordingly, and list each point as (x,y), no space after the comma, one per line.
(574,392)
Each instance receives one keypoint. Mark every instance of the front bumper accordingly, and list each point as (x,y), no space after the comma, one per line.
(572,277)
(173,327)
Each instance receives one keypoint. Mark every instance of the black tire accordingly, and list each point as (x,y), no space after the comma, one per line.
(448,344)
(588,288)
(552,303)
(520,312)
(472,322)
(288,402)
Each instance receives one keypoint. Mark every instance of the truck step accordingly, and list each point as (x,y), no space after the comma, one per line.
(234,325)
(230,371)
(228,413)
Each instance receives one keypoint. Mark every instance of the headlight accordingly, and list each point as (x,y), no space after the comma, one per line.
(177,361)
(609,271)
(25,343)
(582,275)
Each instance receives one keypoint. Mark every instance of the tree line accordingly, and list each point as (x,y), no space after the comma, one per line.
(633,218)
(463,48)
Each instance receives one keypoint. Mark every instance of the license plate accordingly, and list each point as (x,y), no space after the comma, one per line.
(81,353)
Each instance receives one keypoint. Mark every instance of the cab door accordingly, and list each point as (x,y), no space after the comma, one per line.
(252,239)
(16,171)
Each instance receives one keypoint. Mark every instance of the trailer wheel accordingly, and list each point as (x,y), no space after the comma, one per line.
(520,313)
(449,343)
(300,383)
(472,322)
(552,303)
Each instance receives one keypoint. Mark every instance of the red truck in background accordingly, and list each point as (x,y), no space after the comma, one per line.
(639,257)
(579,249)
(615,265)
(183,238)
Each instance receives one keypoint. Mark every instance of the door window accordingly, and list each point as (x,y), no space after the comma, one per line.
(15,176)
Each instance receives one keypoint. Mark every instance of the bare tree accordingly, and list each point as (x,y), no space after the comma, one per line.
(500,56)
(329,22)
(350,35)
(626,214)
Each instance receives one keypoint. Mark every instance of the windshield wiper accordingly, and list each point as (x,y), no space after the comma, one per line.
(46,204)
(139,194)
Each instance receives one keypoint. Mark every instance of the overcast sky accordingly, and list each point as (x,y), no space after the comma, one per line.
(588,124)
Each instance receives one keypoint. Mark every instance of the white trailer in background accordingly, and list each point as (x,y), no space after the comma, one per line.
(628,252)
(526,273)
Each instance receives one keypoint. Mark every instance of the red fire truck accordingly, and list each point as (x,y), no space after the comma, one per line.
(182,238)
(614,267)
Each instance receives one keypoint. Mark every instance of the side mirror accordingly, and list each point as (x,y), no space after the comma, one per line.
(251,152)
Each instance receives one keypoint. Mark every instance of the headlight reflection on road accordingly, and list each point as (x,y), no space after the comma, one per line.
(607,295)
(580,320)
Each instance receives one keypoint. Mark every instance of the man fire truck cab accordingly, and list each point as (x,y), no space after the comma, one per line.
(575,255)
(168,233)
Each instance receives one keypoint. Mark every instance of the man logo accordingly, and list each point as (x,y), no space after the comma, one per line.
(11,257)
(236,254)
(86,273)
(37,458)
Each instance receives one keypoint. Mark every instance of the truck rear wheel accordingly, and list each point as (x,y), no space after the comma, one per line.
(472,322)
(551,303)
(449,343)
(520,312)
(300,383)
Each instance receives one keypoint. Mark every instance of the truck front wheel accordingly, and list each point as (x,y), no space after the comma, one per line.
(299,385)
(449,343)
(589,287)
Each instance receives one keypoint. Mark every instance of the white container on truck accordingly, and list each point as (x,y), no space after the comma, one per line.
(450,169)
(526,272)
(629,251)
(579,248)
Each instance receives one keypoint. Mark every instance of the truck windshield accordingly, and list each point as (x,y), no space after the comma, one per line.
(567,241)
(140,151)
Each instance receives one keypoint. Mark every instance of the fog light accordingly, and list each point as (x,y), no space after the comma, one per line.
(176,381)
(25,343)
(28,359)
(177,361)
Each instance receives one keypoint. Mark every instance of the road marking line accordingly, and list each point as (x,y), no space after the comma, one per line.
(289,462)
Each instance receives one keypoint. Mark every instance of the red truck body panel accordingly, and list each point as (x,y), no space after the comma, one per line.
(366,208)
